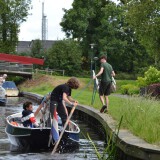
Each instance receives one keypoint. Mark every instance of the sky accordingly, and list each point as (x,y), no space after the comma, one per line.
(31,29)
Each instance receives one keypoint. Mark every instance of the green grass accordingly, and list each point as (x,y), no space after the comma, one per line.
(140,115)
(120,83)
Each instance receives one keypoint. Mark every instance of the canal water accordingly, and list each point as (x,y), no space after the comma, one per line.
(85,150)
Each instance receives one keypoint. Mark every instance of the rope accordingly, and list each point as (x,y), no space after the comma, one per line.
(83,89)
(94,92)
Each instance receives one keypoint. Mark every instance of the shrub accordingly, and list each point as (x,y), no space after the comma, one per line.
(129,89)
(141,82)
(133,90)
(125,76)
(150,77)
(154,90)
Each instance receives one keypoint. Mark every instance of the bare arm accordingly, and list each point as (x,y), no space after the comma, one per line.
(99,73)
(71,99)
(113,74)
(38,109)
(65,107)
(66,99)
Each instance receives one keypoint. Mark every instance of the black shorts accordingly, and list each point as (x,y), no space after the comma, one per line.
(104,88)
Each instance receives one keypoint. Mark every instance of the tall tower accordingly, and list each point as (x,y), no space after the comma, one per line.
(44,24)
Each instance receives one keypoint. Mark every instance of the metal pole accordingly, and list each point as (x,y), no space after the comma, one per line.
(92,47)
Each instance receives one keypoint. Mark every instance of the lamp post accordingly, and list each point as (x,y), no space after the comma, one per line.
(95,59)
(92,47)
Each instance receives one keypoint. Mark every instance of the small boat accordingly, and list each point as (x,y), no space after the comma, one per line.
(2,96)
(11,89)
(28,139)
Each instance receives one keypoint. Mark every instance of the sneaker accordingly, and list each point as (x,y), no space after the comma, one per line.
(103,108)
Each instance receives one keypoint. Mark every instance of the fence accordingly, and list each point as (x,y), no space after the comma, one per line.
(16,67)
(49,71)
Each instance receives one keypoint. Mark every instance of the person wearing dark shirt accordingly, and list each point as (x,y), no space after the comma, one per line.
(106,72)
(28,116)
(62,94)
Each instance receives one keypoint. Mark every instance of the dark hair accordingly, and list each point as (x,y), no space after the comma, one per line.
(26,105)
(73,83)
(103,57)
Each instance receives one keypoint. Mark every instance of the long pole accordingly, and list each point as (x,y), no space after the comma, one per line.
(68,119)
(95,88)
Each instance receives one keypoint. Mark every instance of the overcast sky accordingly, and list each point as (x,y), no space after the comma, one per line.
(31,29)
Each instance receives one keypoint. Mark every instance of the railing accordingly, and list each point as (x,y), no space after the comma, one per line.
(49,71)
(17,67)
(14,66)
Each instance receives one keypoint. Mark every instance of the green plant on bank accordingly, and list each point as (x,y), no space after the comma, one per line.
(129,89)
(152,75)
(109,152)
(127,83)
(140,116)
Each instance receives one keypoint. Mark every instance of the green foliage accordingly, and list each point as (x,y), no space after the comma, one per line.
(82,20)
(120,83)
(125,76)
(140,116)
(110,151)
(36,48)
(104,24)
(17,79)
(129,89)
(152,75)
(146,12)
(141,82)
(12,14)
(65,55)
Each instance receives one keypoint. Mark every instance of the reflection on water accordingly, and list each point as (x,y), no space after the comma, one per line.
(85,151)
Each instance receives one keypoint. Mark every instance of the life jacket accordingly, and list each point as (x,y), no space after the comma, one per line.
(31,118)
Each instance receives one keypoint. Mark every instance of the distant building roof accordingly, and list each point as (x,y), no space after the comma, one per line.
(25,46)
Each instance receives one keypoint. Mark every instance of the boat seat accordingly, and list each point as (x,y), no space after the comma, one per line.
(14,123)
(16,119)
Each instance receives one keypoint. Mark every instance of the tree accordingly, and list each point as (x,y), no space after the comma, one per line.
(12,14)
(65,55)
(143,17)
(81,21)
(104,24)
(119,41)
(36,48)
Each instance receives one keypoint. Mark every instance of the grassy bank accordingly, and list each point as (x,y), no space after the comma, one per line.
(140,115)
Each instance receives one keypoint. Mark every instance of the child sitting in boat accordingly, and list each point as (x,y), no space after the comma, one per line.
(28,116)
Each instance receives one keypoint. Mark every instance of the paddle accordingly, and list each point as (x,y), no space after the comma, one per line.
(62,132)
